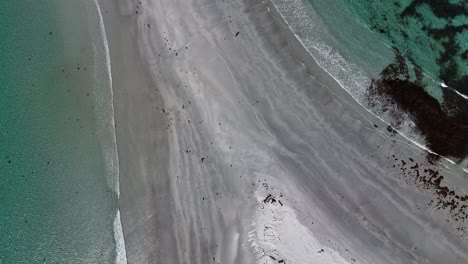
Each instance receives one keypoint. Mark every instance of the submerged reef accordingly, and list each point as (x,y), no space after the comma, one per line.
(432,33)
(451,33)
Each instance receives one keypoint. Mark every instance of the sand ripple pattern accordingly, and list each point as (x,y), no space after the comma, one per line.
(245,115)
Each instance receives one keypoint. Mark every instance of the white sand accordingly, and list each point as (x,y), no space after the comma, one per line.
(279,237)
(208,123)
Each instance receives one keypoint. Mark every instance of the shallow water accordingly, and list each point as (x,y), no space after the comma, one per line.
(432,34)
(427,34)
(57,206)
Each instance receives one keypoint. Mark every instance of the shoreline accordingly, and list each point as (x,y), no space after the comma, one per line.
(104,102)
(138,203)
(298,47)
(198,137)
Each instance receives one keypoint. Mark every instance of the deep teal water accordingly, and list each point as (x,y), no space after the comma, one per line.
(55,203)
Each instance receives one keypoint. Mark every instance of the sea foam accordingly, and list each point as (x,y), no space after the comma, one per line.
(106,133)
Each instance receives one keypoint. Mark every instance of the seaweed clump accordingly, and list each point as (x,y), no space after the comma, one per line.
(444,126)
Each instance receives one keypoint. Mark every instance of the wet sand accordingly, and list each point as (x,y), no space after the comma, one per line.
(218,107)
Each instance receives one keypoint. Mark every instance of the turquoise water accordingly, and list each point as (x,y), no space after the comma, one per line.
(57,205)
(353,39)
(432,34)
(339,43)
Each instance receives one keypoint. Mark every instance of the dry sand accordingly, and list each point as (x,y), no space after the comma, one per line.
(217,107)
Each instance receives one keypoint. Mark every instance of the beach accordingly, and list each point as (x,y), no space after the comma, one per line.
(236,147)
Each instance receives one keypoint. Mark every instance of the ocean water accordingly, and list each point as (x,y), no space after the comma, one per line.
(430,34)
(338,42)
(356,40)
(58,162)
(433,34)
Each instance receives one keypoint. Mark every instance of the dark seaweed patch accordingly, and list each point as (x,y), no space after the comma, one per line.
(445,196)
(441,8)
(445,127)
